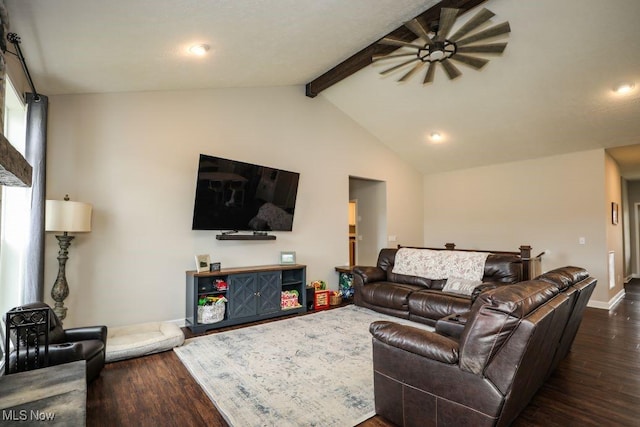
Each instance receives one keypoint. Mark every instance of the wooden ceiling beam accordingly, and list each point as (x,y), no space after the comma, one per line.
(15,171)
(363,58)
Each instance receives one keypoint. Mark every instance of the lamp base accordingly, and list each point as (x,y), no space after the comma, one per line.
(60,288)
(60,310)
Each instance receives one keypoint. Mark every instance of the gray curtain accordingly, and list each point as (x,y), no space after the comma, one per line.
(36,155)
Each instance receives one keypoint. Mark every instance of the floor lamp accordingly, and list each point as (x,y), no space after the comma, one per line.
(67,217)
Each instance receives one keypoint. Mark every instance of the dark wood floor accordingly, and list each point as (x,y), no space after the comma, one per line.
(598,384)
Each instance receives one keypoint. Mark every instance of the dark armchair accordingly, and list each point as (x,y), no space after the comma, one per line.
(64,345)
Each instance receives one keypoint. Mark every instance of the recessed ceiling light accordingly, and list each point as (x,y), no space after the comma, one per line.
(624,88)
(199,49)
(436,137)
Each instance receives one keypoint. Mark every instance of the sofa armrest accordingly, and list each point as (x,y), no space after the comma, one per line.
(65,353)
(486,286)
(369,274)
(415,340)
(86,333)
(452,325)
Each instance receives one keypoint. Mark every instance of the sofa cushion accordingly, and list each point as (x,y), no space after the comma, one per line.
(494,315)
(390,295)
(564,277)
(409,280)
(456,285)
(437,285)
(386,261)
(386,258)
(431,304)
(503,268)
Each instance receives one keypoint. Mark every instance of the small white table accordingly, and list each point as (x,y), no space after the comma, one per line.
(53,396)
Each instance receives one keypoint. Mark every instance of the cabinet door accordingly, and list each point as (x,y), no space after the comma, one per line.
(269,289)
(242,295)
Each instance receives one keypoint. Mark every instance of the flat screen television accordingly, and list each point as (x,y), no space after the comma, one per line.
(239,196)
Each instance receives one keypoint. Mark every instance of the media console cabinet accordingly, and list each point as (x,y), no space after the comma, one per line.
(253,293)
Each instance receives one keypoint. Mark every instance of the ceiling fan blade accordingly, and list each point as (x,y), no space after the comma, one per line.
(416,28)
(428,78)
(394,42)
(488,33)
(447,18)
(451,70)
(380,57)
(473,23)
(395,67)
(411,72)
(483,48)
(471,61)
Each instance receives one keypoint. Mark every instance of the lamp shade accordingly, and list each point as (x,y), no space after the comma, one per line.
(65,215)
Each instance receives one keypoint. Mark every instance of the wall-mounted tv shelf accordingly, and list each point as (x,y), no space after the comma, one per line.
(253,293)
(245,237)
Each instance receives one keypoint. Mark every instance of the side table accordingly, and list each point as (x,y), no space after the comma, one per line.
(345,280)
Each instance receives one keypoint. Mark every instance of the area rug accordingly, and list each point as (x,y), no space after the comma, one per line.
(313,370)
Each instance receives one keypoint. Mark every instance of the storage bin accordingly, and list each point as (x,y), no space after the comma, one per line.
(211,313)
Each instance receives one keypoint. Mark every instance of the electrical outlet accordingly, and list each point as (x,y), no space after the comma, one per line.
(582,241)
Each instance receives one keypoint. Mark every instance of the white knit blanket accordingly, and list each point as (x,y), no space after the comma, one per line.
(437,265)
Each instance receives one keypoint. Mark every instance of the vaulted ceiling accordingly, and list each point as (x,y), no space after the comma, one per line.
(549,93)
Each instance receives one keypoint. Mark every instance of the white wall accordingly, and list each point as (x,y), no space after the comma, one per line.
(134,157)
(615,244)
(548,203)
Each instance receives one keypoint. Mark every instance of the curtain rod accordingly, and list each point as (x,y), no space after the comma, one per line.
(15,40)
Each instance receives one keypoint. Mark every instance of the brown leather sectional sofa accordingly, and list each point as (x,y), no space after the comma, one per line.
(509,343)
(420,299)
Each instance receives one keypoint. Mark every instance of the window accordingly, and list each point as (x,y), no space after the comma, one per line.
(14,206)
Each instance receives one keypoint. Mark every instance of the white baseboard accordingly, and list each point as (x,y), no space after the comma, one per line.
(607,305)
(179,322)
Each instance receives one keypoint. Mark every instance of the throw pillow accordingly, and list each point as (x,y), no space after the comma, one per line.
(459,286)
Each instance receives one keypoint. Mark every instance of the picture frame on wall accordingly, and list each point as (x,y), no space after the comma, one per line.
(202,263)
(614,213)
(287,257)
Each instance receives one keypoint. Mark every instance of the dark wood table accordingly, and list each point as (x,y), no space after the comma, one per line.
(347,269)
(53,396)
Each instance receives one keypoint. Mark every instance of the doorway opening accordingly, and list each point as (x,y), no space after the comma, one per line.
(369,223)
(353,230)
(635,269)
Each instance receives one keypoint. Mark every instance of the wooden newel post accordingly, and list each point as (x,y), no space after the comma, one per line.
(525,254)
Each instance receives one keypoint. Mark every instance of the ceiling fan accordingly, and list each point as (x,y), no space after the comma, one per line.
(435,46)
